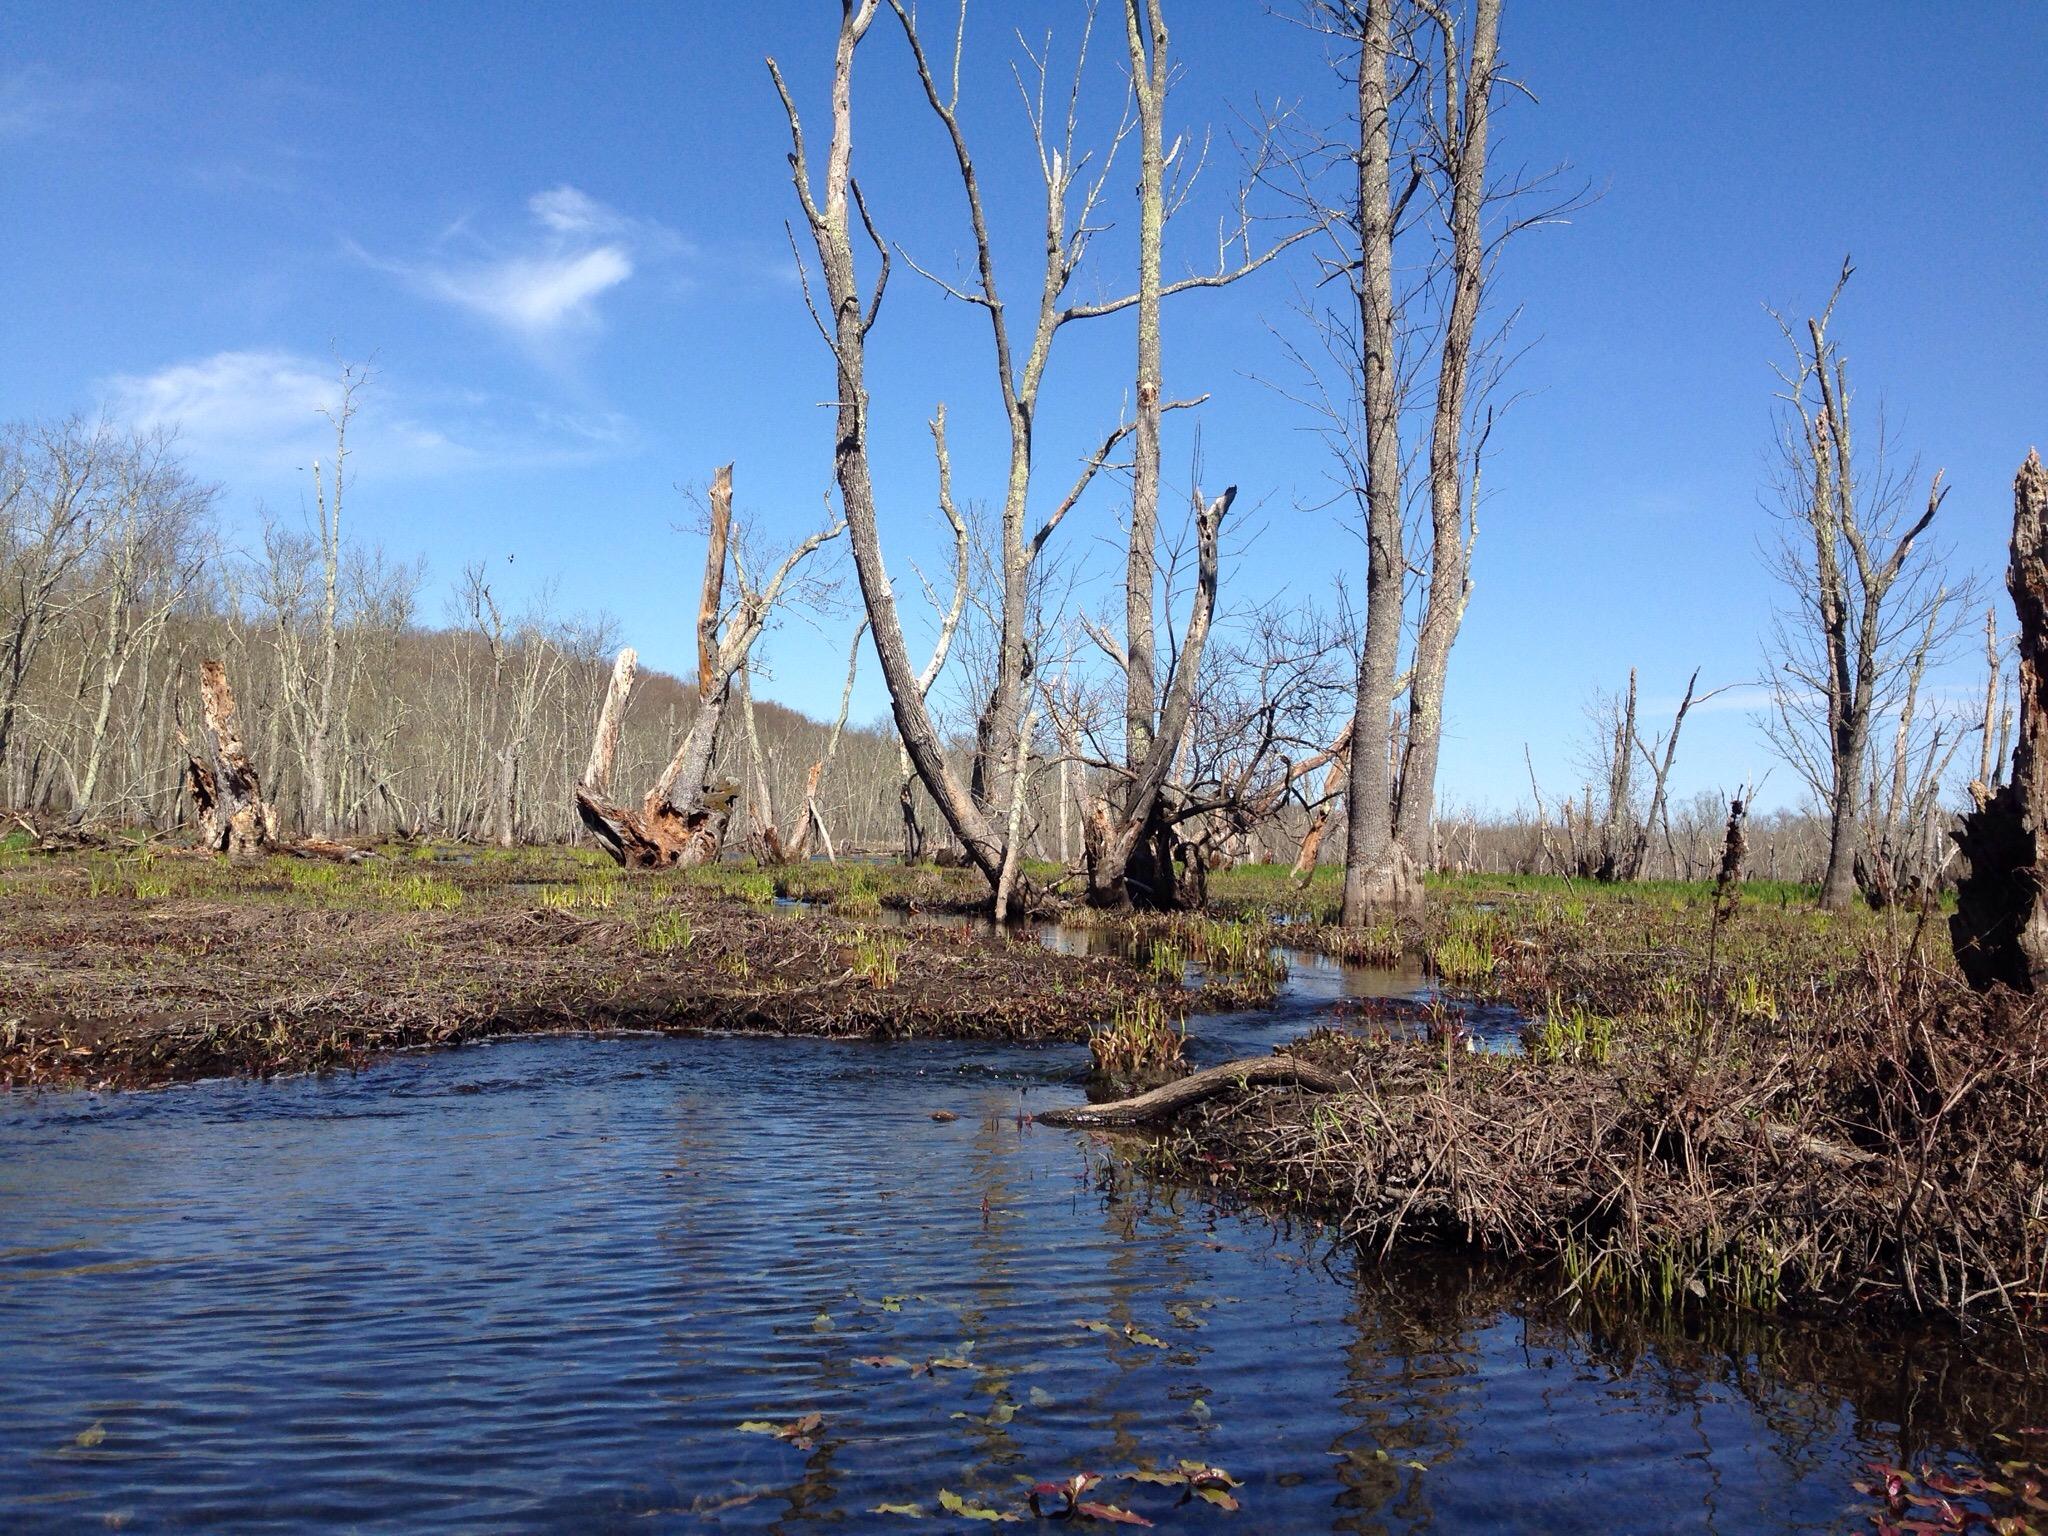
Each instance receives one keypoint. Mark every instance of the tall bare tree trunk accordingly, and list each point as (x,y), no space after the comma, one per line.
(828,218)
(1450,510)
(1378,875)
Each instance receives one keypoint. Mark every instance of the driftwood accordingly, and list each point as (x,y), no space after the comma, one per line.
(1160,1103)
(234,818)
(2000,927)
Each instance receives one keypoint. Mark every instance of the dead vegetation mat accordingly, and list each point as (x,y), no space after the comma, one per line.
(118,993)
(1889,1154)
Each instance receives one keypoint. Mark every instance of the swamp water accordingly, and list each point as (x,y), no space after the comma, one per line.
(542,1285)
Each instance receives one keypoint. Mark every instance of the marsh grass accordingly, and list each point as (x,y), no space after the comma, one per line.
(1139,1041)
(666,933)
(876,956)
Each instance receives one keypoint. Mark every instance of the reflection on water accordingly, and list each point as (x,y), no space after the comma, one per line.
(539,1285)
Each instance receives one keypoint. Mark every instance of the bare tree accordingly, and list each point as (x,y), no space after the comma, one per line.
(1863,607)
(314,693)
(1417,230)
(976,810)
(827,208)
(150,556)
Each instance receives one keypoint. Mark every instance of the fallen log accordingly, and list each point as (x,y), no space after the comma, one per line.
(1252,1071)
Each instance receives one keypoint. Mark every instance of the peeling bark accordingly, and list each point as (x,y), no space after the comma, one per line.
(2000,926)
(233,816)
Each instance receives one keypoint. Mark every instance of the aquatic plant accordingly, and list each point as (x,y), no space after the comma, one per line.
(1569,1032)
(1138,1040)
(1466,952)
(875,956)
(1166,960)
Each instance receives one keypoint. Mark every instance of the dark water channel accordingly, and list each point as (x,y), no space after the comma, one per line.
(539,1285)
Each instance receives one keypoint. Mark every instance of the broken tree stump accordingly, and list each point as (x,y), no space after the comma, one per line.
(2000,926)
(234,818)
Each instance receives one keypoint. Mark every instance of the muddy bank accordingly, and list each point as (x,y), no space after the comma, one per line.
(114,974)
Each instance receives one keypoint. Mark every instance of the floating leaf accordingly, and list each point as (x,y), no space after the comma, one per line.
(1140,1336)
(1068,1493)
(86,1439)
(892,1303)
(1040,1398)
(910,1511)
(1093,1326)
(883,1361)
(796,1432)
(822,1323)
(1200,1410)
(1110,1514)
(966,1509)
(1194,1479)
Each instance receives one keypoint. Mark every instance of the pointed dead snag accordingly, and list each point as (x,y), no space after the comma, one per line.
(233,816)
(2000,926)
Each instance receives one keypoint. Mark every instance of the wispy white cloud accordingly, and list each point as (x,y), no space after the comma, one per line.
(34,103)
(536,296)
(253,416)
(546,285)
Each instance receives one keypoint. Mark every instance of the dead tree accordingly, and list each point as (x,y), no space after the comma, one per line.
(2000,926)
(949,624)
(1658,756)
(233,816)
(1319,820)
(1997,727)
(1456,142)
(1378,873)
(1848,561)
(1413,254)
(1117,828)
(683,818)
(1617,827)
(827,204)
(1073,192)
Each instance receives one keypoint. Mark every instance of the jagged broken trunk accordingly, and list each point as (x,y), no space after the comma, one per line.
(2000,926)
(682,820)
(227,796)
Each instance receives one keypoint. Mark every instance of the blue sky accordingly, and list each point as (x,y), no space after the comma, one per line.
(558,231)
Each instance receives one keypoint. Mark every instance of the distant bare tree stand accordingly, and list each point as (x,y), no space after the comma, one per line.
(233,816)
(2000,926)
